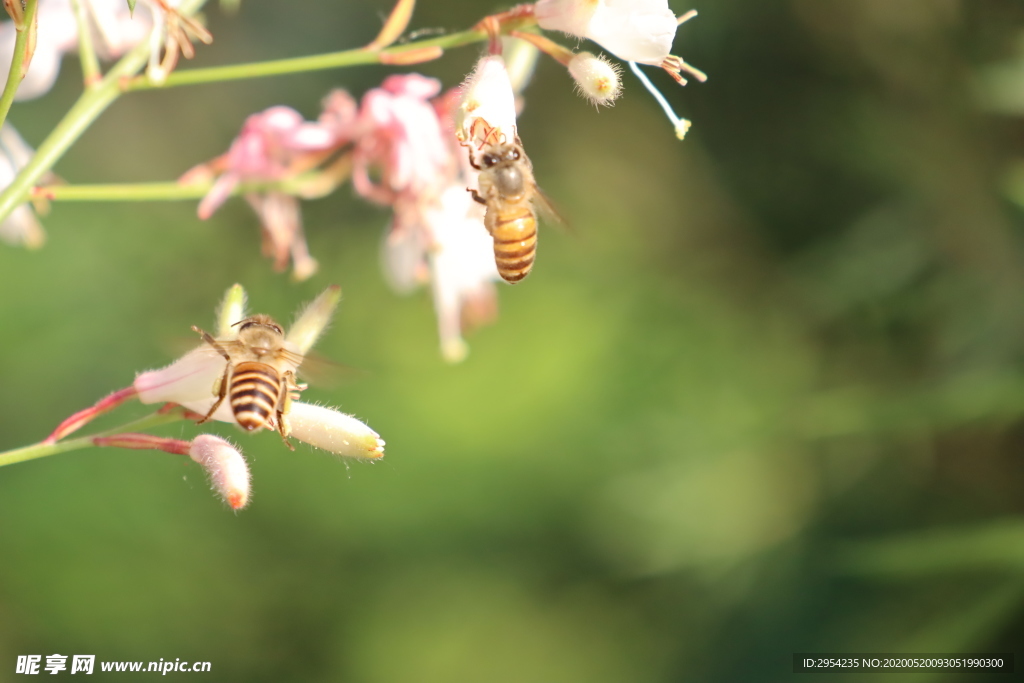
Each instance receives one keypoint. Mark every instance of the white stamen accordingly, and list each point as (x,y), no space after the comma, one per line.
(681,125)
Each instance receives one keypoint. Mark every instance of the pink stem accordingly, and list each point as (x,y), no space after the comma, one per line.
(84,417)
(137,441)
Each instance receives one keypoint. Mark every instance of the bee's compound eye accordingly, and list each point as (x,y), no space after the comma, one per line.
(490,160)
(515,154)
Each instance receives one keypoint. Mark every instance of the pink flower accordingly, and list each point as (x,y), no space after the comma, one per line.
(272,145)
(633,30)
(400,139)
(283,237)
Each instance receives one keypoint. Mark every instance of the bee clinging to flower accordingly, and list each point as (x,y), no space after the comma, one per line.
(259,379)
(508,190)
(257,388)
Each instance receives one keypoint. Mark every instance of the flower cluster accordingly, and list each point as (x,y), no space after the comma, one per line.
(449,165)
(399,146)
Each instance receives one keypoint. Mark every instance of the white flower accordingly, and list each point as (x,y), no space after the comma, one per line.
(487,110)
(114,29)
(190,381)
(596,78)
(229,474)
(633,30)
(21,227)
(57,34)
(454,248)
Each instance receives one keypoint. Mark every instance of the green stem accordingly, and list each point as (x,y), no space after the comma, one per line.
(42,450)
(124,192)
(166,191)
(89,106)
(15,75)
(91,73)
(278,67)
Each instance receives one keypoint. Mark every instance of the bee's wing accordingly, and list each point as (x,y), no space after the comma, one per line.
(547,209)
(292,357)
(320,371)
(179,346)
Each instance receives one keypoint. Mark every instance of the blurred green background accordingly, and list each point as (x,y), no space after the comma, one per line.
(767,399)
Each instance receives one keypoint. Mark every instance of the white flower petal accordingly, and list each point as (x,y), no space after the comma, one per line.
(461,265)
(634,31)
(231,311)
(188,380)
(568,16)
(487,99)
(314,320)
(21,228)
(403,256)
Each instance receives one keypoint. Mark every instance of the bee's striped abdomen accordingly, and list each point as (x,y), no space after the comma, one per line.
(515,241)
(255,388)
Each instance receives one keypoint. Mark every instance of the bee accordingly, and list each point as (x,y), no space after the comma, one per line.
(259,380)
(508,190)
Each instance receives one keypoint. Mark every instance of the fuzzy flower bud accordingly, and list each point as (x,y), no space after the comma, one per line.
(335,432)
(596,78)
(228,472)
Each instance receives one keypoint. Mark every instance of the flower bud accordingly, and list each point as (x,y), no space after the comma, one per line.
(596,78)
(228,472)
(333,431)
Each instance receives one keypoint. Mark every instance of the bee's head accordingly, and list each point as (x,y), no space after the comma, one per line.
(258,321)
(505,152)
(260,333)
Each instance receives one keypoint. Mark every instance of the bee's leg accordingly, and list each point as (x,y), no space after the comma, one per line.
(284,404)
(476,196)
(212,342)
(221,390)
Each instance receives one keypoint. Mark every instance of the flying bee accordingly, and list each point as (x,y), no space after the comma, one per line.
(508,190)
(259,380)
